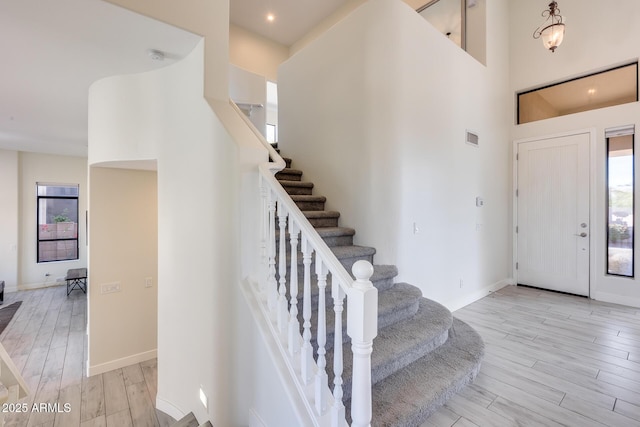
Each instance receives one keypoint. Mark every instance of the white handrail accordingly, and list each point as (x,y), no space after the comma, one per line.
(362,303)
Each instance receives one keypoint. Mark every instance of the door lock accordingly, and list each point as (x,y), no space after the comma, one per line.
(583,234)
(583,225)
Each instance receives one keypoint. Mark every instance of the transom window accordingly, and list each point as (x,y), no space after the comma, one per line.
(57,222)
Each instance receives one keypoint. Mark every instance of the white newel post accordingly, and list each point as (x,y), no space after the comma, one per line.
(362,327)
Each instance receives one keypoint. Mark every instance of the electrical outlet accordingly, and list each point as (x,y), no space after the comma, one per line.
(108,288)
(148,282)
(47,274)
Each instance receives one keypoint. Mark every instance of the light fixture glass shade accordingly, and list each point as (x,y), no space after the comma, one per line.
(552,36)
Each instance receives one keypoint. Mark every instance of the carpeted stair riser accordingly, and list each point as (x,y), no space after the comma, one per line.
(382,279)
(401,344)
(322,218)
(297,187)
(309,203)
(347,255)
(394,305)
(289,174)
(408,397)
(332,236)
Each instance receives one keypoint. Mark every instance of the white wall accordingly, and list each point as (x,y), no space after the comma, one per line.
(255,53)
(583,50)
(209,19)
(385,104)
(33,168)
(201,172)
(9,218)
(124,249)
(249,91)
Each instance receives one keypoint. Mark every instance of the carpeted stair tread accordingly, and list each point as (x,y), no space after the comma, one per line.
(402,343)
(411,395)
(297,187)
(321,214)
(382,279)
(345,254)
(322,218)
(289,174)
(307,202)
(394,305)
(307,198)
(332,236)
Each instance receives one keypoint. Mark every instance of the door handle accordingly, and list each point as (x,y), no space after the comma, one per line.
(583,234)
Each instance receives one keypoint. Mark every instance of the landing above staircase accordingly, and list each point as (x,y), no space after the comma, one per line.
(422,355)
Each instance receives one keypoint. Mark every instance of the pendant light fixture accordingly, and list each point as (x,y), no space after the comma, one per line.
(552,29)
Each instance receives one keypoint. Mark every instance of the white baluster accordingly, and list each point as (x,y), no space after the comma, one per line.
(321,375)
(306,356)
(294,325)
(337,411)
(282,271)
(272,285)
(362,327)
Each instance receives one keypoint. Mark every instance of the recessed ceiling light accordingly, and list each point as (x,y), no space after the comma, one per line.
(271,17)
(591,91)
(156,55)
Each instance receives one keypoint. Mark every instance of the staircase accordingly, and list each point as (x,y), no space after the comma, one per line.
(422,355)
(190,420)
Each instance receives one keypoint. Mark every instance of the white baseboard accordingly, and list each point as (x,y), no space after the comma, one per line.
(458,303)
(121,363)
(31,286)
(168,408)
(616,299)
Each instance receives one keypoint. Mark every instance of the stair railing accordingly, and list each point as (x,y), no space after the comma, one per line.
(282,217)
(12,385)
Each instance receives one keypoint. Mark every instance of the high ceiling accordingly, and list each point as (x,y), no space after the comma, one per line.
(292,19)
(53,51)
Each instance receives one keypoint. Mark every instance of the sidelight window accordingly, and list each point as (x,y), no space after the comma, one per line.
(620,202)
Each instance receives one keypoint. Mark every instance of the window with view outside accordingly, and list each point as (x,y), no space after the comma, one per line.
(57,222)
(620,208)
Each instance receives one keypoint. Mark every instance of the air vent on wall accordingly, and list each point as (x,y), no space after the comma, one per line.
(472,139)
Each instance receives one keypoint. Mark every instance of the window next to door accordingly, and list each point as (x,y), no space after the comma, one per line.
(620,204)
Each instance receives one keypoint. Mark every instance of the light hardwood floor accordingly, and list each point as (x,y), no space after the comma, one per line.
(551,360)
(47,341)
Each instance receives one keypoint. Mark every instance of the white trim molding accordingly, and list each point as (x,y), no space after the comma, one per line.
(458,303)
(121,363)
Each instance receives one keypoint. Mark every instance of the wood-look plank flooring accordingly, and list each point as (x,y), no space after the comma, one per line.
(550,360)
(47,341)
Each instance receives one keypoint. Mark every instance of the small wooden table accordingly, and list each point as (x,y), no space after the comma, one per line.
(76,279)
